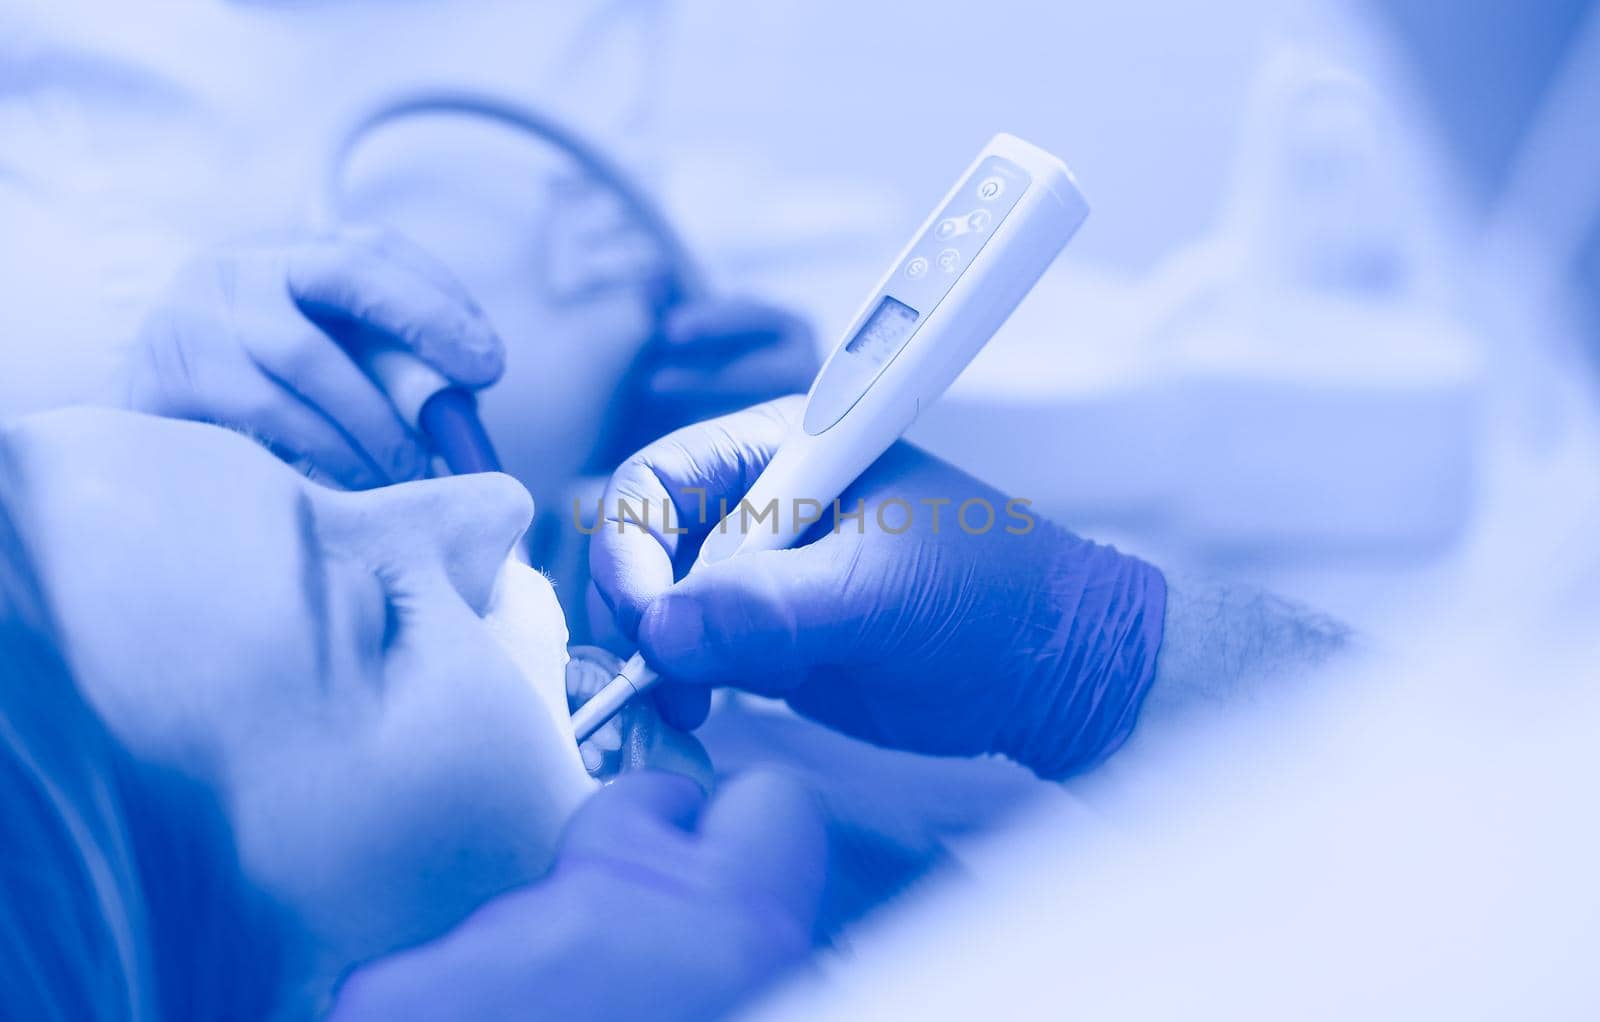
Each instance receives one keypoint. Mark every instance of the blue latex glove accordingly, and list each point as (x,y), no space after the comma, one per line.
(1038,645)
(258,339)
(709,357)
(659,906)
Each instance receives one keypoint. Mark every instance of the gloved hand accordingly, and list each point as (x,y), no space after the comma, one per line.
(259,339)
(659,906)
(963,634)
(709,358)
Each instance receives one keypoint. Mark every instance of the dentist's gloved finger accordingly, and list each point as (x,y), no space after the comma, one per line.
(629,569)
(392,245)
(603,628)
(629,813)
(767,832)
(759,621)
(716,329)
(303,361)
(691,469)
(684,707)
(300,435)
(340,283)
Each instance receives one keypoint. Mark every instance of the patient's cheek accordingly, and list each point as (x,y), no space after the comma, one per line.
(526,620)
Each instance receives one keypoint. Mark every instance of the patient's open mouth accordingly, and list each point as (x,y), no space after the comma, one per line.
(635,739)
(525,618)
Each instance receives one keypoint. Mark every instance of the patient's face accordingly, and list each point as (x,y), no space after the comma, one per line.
(320,658)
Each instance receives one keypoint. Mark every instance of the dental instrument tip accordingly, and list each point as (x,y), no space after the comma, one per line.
(633,679)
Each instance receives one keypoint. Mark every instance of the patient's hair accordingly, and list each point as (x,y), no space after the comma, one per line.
(120,896)
(69,905)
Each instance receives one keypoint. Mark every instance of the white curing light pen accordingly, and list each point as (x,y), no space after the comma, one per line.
(972,261)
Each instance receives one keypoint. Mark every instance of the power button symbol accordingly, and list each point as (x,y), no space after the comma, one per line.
(990,188)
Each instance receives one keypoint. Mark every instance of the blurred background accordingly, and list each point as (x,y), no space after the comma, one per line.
(1294,339)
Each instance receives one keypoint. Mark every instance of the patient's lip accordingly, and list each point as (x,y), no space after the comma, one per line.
(525,618)
(526,622)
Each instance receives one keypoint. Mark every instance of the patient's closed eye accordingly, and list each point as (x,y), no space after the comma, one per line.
(354,607)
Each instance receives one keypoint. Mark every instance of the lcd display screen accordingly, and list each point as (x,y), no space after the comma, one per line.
(884,331)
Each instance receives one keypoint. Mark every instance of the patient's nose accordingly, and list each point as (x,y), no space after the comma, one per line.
(469,524)
(482,520)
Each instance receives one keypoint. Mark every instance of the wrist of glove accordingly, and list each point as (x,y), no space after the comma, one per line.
(1096,631)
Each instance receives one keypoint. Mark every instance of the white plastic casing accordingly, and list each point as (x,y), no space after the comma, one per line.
(872,388)
(406,379)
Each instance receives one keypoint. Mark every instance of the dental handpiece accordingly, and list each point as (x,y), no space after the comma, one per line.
(969,265)
(444,414)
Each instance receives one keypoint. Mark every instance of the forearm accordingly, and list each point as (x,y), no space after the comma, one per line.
(1111,646)
(1223,643)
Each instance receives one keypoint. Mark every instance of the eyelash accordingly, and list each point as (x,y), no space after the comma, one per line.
(304,468)
(391,622)
(394,610)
